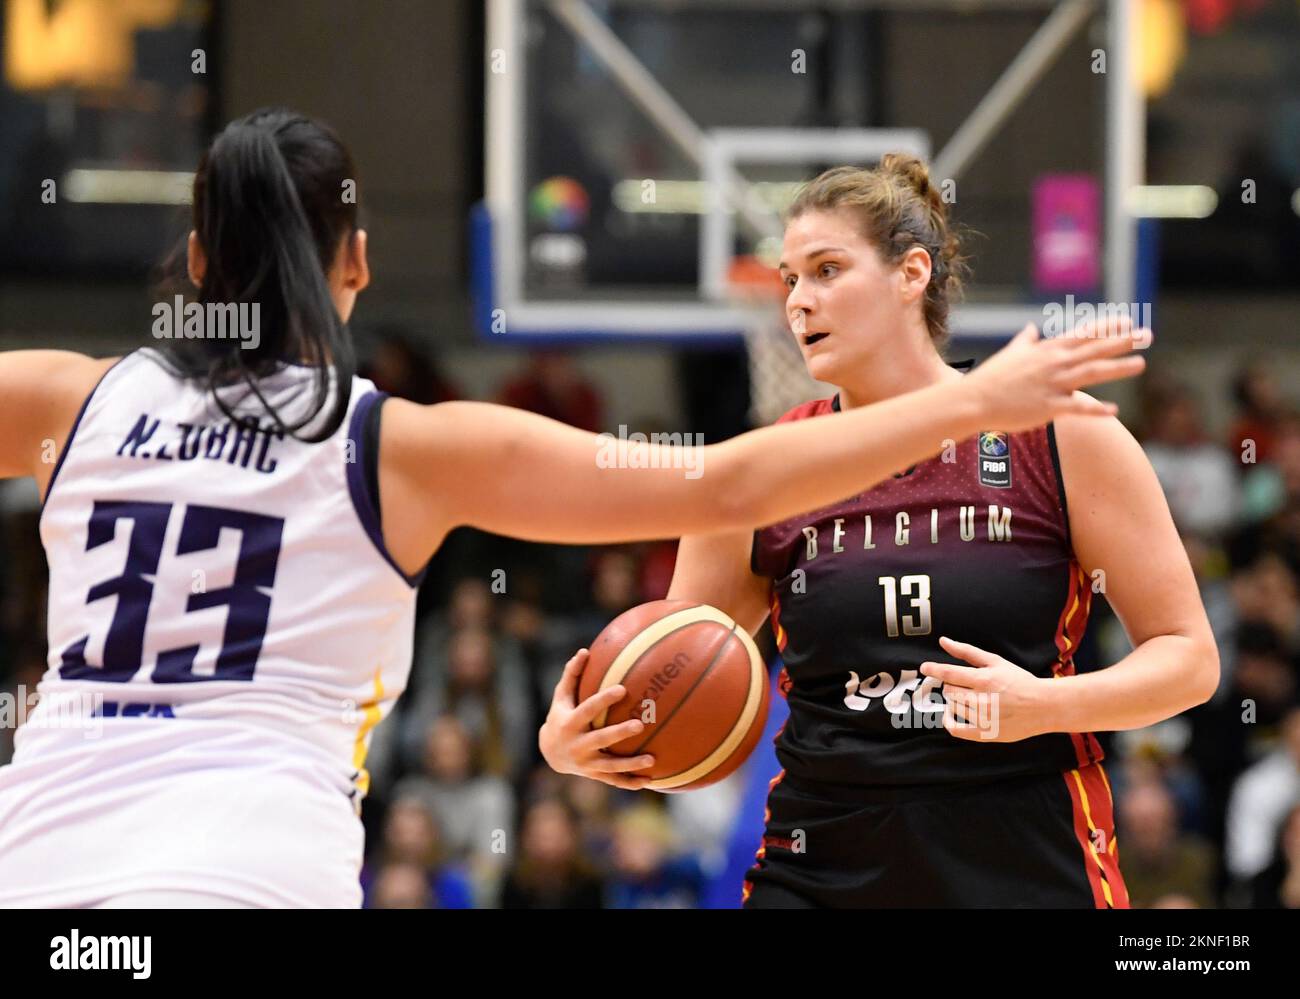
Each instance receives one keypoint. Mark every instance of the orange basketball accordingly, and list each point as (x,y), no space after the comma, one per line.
(694,677)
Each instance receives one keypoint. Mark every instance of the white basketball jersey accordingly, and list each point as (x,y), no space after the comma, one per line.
(225,631)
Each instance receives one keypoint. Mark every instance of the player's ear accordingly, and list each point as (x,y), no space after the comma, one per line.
(914,273)
(196,261)
(357,267)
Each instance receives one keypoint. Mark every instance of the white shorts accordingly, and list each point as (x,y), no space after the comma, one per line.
(230,816)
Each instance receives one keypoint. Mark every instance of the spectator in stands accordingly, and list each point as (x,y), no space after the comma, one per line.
(595,805)
(411,838)
(1265,676)
(401,886)
(492,701)
(471,604)
(551,872)
(474,810)
(1261,800)
(399,742)
(1268,593)
(1260,408)
(615,587)
(1273,497)
(1159,754)
(647,874)
(543,641)
(1199,478)
(1160,861)
(1278,885)
(592,804)
(1233,731)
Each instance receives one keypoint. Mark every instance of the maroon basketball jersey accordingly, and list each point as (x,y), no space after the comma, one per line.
(973,544)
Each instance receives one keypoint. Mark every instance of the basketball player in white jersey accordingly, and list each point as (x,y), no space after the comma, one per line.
(235,538)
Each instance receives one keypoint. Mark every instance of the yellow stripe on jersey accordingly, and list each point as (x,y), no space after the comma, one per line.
(1114,840)
(1065,627)
(369,719)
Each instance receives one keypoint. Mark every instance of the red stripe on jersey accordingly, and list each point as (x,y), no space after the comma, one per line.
(761,852)
(1103,815)
(1069,632)
(1094,828)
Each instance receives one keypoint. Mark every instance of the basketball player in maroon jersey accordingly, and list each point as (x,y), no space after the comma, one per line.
(919,770)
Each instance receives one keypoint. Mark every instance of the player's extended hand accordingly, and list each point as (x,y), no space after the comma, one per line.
(570,747)
(1031,381)
(991,700)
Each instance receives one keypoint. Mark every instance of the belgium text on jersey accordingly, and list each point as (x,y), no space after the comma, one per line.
(662,451)
(102,953)
(998,524)
(175,320)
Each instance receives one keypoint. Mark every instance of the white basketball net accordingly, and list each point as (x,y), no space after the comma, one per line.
(778,379)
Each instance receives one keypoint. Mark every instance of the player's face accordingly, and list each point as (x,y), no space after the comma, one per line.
(843,301)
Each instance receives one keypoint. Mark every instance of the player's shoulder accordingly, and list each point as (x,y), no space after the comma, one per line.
(817,407)
(431,424)
(1095,444)
(1088,431)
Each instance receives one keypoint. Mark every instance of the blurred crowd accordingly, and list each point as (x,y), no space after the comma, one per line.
(463,812)
(1208,803)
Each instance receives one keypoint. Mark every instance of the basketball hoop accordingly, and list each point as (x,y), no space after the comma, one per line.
(778,379)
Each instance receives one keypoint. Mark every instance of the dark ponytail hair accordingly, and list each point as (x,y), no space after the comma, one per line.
(269,211)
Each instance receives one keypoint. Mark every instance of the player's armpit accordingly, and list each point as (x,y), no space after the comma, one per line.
(714,569)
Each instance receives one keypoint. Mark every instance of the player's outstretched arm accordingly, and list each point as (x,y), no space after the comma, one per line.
(515,473)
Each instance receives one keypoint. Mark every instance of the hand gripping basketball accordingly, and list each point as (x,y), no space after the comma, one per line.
(568,743)
(674,676)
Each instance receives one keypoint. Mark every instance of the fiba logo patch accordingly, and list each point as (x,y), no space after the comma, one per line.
(995,459)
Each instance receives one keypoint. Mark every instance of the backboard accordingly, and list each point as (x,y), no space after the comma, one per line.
(635,148)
